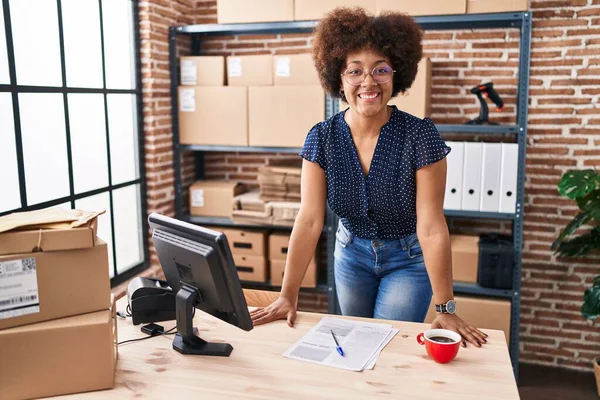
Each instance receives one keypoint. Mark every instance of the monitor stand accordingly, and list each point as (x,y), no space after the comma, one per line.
(186,341)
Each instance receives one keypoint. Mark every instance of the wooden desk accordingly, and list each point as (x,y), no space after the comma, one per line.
(256,368)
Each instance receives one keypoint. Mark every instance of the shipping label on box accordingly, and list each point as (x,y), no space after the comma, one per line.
(187,99)
(18,288)
(283,66)
(234,67)
(198,198)
(188,72)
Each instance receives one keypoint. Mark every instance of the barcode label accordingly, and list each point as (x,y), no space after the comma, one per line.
(18,288)
(19,300)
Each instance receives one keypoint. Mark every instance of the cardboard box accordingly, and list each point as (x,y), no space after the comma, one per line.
(16,242)
(294,69)
(202,71)
(255,70)
(214,198)
(213,115)
(233,11)
(251,268)
(429,7)
(493,6)
(465,257)
(63,356)
(273,122)
(247,242)
(49,229)
(41,286)
(316,9)
(482,313)
(417,100)
(278,269)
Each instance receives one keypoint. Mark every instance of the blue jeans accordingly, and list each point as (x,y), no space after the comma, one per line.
(381,278)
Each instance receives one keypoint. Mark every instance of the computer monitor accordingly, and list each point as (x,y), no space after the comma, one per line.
(199,267)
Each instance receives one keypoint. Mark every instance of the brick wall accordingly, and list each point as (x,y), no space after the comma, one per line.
(563,133)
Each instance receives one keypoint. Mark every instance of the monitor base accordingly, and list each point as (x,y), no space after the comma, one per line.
(186,340)
(201,347)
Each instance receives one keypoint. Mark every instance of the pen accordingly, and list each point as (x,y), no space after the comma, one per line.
(337,345)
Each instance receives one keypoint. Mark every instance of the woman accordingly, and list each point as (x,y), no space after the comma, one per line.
(383,173)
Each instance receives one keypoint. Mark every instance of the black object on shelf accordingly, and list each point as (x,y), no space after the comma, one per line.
(486,89)
(496,261)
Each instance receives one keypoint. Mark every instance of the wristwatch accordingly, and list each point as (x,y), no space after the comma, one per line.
(448,308)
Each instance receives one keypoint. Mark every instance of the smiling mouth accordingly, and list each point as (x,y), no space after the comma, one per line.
(369,96)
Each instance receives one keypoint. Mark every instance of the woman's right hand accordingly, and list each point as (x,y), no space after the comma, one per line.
(282,308)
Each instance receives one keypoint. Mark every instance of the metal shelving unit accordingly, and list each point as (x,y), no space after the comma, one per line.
(518,20)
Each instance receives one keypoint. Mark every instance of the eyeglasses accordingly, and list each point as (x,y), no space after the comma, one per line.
(380,74)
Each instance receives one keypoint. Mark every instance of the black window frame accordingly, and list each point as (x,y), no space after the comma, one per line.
(15,89)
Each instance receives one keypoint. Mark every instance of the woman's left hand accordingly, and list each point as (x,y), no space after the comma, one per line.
(454,323)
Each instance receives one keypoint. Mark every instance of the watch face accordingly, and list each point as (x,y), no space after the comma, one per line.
(451,307)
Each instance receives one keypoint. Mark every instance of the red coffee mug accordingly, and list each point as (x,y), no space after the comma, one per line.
(441,352)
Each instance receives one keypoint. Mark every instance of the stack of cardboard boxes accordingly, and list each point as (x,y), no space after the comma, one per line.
(233,11)
(279,183)
(57,319)
(249,250)
(268,100)
(260,255)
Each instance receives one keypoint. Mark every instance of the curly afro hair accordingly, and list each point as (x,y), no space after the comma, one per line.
(346,30)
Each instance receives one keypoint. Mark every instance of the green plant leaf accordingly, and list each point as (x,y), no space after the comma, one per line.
(580,219)
(590,204)
(591,300)
(578,183)
(581,245)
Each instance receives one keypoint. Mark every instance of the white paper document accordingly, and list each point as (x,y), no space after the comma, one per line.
(390,336)
(361,343)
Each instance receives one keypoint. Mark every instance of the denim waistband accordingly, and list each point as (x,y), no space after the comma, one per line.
(405,243)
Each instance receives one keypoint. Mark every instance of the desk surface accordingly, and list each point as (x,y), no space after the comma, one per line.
(256,368)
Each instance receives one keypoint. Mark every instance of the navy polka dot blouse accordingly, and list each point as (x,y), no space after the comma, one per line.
(382,204)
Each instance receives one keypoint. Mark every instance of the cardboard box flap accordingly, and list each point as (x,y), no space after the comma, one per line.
(71,235)
(48,218)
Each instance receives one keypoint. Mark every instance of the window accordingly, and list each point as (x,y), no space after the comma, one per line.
(70,118)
